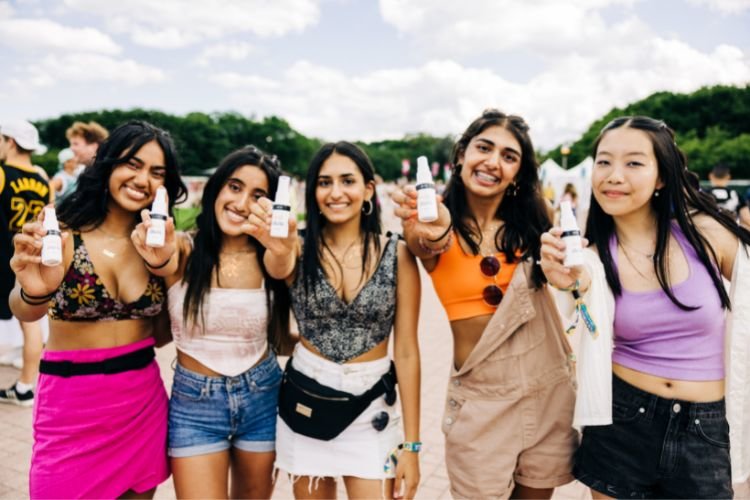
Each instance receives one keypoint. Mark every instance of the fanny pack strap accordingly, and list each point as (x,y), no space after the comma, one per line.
(385,384)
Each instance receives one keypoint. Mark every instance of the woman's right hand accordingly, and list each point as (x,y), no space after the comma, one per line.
(406,209)
(258,226)
(35,278)
(552,258)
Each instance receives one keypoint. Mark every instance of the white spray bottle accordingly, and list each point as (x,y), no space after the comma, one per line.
(52,241)
(571,235)
(427,210)
(281,209)
(157,230)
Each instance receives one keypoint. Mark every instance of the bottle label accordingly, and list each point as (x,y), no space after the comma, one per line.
(158,216)
(425,185)
(53,232)
(281,207)
(571,232)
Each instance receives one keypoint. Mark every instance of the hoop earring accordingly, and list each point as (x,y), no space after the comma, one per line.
(369,207)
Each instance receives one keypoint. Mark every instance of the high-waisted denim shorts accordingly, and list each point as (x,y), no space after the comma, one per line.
(657,448)
(212,414)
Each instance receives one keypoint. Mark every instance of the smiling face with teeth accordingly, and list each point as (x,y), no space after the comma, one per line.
(490,162)
(133,184)
(341,189)
(244,187)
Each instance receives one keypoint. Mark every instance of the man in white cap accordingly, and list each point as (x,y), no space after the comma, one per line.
(64,181)
(24,191)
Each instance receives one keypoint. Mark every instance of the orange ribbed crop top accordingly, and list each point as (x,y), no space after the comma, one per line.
(459,282)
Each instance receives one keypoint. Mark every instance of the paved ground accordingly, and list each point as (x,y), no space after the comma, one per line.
(435,344)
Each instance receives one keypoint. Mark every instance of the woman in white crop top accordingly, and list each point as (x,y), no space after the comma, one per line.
(228,318)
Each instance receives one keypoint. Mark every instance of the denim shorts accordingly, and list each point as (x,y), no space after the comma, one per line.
(657,448)
(212,414)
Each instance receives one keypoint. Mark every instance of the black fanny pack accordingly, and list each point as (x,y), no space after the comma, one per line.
(318,411)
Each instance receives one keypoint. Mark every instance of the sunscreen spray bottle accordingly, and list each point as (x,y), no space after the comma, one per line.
(571,235)
(281,208)
(155,234)
(427,210)
(52,241)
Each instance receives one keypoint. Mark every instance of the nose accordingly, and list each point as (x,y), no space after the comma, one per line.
(141,177)
(336,190)
(616,174)
(494,159)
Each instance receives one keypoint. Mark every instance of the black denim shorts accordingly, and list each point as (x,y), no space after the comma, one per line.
(657,448)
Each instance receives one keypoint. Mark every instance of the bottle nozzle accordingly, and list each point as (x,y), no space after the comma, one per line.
(424,176)
(50,219)
(567,217)
(282,191)
(160,201)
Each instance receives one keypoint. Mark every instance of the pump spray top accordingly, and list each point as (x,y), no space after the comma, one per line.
(281,209)
(427,210)
(157,230)
(571,235)
(52,241)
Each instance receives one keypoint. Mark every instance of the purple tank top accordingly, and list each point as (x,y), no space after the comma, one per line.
(654,336)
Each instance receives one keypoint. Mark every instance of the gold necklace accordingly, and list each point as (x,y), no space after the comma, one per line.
(110,239)
(645,254)
(632,264)
(492,231)
(344,258)
(229,263)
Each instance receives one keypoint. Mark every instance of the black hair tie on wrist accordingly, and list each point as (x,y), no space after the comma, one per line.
(35,300)
(450,226)
(160,265)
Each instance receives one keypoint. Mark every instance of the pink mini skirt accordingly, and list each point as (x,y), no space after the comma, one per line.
(98,436)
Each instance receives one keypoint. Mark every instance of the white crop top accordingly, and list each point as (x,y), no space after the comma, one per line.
(234,338)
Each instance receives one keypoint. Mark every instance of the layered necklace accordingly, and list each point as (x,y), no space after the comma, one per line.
(109,249)
(230,263)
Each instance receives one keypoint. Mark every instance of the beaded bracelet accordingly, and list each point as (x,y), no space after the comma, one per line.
(36,300)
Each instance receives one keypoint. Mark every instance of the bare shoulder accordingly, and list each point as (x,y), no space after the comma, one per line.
(720,238)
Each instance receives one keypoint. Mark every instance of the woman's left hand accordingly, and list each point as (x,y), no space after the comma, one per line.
(407,475)
(258,226)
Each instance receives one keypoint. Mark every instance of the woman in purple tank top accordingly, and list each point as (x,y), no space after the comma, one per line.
(662,248)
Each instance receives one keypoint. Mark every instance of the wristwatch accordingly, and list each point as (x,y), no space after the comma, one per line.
(413,446)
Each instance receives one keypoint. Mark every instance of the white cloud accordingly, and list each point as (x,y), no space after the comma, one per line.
(442,96)
(725,6)
(179,23)
(44,34)
(551,26)
(88,68)
(236,51)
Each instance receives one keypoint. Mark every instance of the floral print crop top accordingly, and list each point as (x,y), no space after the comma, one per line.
(83,297)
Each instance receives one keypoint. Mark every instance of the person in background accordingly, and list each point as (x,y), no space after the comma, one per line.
(726,197)
(24,191)
(745,211)
(64,181)
(85,139)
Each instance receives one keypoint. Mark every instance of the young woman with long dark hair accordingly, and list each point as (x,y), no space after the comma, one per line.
(509,407)
(100,416)
(228,319)
(654,407)
(349,288)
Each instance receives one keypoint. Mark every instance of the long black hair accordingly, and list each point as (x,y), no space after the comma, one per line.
(523,209)
(203,262)
(314,245)
(86,207)
(674,201)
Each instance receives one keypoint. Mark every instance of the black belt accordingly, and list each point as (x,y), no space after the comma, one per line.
(130,361)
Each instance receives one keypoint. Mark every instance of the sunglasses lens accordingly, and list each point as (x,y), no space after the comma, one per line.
(489,265)
(380,420)
(492,295)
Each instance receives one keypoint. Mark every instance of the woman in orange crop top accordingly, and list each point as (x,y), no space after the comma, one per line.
(229,319)
(100,416)
(510,398)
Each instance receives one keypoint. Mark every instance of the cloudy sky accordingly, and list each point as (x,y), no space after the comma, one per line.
(367,69)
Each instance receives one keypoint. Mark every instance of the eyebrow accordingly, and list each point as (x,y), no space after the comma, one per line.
(330,176)
(630,153)
(143,162)
(506,148)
